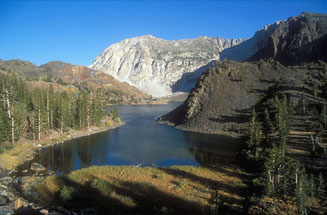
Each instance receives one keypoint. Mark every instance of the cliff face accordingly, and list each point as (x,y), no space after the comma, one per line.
(297,40)
(292,41)
(160,67)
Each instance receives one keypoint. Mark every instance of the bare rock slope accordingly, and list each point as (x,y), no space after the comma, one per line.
(160,67)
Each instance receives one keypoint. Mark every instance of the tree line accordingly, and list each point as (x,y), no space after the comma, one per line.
(34,114)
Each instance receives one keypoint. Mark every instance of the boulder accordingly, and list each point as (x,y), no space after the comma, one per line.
(37,167)
(27,184)
(6,180)
(3,200)
(5,210)
(18,203)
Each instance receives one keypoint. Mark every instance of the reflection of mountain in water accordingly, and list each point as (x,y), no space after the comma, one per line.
(214,149)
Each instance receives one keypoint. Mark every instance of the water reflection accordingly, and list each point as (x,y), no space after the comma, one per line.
(140,141)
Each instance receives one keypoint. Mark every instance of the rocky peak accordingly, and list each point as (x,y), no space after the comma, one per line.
(155,65)
(300,38)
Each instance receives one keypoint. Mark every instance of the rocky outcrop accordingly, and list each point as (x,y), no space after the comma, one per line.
(16,195)
(223,98)
(155,65)
(297,40)
(36,167)
(292,41)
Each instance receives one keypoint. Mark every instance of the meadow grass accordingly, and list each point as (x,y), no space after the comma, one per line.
(127,189)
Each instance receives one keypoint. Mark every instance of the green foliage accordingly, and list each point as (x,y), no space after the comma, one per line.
(323,119)
(33,114)
(66,194)
(254,135)
(267,126)
(117,120)
(101,185)
(282,177)
(215,203)
(321,186)
(4,125)
(181,184)
(114,113)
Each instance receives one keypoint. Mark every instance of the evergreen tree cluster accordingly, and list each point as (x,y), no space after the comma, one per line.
(280,176)
(34,114)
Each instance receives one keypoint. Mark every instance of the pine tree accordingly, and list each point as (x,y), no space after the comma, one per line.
(282,121)
(323,119)
(254,135)
(268,126)
(115,113)
(4,125)
(301,195)
(321,186)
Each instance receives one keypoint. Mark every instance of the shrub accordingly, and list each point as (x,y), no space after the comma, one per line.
(117,120)
(100,185)
(161,176)
(66,194)
(181,184)
(109,123)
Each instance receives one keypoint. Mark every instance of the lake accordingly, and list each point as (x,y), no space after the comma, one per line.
(141,141)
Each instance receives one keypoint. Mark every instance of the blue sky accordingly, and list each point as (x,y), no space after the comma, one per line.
(77,31)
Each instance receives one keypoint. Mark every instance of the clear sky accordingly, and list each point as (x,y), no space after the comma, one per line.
(77,31)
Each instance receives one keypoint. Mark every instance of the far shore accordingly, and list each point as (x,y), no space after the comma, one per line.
(25,149)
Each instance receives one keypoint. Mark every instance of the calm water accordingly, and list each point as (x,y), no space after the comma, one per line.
(140,141)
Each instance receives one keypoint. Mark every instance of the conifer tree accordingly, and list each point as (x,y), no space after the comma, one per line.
(4,125)
(254,135)
(323,119)
(268,126)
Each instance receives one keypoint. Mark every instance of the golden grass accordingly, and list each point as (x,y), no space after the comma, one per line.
(172,187)
(20,152)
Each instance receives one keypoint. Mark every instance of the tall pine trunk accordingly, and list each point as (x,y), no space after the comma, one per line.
(39,123)
(88,115)
(10,112)
(62,125)
(48,110)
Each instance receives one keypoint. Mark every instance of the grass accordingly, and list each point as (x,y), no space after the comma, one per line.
(129,190)
(15,155)
(59,139)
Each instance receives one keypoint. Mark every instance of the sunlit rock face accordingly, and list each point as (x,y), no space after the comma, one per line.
(161,67)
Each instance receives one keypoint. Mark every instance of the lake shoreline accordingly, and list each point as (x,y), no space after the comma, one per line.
(202,131)
(25,150)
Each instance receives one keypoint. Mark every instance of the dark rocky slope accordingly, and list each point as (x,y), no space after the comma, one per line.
(226,93)
(297,40)
(292,41)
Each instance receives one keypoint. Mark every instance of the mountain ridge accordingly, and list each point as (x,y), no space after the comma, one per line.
(154,65)
(227,91)
(64,74)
